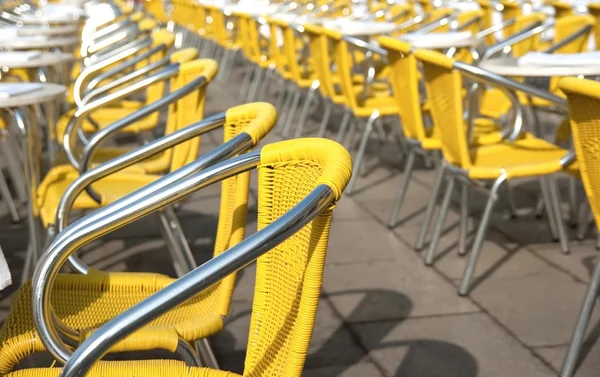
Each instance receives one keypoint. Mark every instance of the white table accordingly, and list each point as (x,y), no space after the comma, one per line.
(23,108)
(46,59)
(511,67)
(360,28)
(440,41)
(33,43)
(45,31)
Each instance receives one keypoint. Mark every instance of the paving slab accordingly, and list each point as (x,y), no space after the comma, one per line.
(456,345)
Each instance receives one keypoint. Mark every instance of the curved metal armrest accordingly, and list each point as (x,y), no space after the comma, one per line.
(160,193)
(128,32)
(127,64)
(370,48)
(109,29)
(140,41)
(186,287)
(113,128)
(431,26)
(91,70)
(510,86)
(83,111)
(529,32)
(565,41)
(495,28)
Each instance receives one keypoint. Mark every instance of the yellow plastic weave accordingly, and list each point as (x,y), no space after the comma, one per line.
(583,97)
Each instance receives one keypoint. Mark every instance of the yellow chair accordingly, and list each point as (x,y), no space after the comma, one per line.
(527,157)
(562,9)
(85,302)
(103,116)
(288,276)
(594,9)
(583,97)
(111,188)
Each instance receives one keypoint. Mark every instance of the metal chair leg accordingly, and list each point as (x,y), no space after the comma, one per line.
(256,81)
(282,94)
(361,151)
(572,356)
(585,212)
(512,206)
(306,108)
(465,283)
(464,218)
(343,125)
(572,201)
(6,195)
(245,87)
(206,353)
(287,105)
(408,169)
(291,113)
(439,225)
(560,224)
(266,85)
(547,205)
(326,116)
(430,206)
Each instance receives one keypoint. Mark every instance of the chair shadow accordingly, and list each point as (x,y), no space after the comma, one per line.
(424,357)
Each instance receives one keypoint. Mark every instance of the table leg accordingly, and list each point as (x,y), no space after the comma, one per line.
(26,118)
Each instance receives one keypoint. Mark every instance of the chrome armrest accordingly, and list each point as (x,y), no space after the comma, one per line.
(370,48)
(133,206)
(141,42)
(399,16)
(121,162)
(565,41)
(529,32)
(431,26)
(495,28)
(82,112)
(468,23)
(122,67)
(510,86)
(120,124)
(112,28)
(85,75)
(129,32)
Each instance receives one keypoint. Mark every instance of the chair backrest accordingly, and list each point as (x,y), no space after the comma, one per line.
(583,97)
(471,20)
(291,45)
(288,278)
(400,13)
(568,26)
(343,62)
(426,6)
(562,9)
(487,19)
(321,59)
(594,10)
(155,91)
(523,22)
(234,192)
(276,47)
(444,88)
(190,108)
(404,78)
(510,9)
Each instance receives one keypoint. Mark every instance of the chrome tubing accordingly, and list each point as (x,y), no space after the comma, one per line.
(132,41)
(369,46)
(534,29)
(121,67)
(565,41)
(129,32)
(495,28)
(83,77)
(122,80)
(237,257)
(104,133)
(73,126)
(158,194)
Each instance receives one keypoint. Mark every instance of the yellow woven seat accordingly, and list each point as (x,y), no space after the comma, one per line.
(85,302)
(145,368)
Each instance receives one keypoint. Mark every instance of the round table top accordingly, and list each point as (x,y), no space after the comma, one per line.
(25,43)
(46,93)
(360,28)
(511,67)
(51,20)
(46,59)
(443,41)
(47,31)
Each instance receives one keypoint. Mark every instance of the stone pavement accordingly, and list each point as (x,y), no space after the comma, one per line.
(382,312)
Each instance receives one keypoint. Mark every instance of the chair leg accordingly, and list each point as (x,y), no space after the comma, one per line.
(465,283)
(512,206)
(183,260)
(439,179)
(560,224)
(585,213)
(291,113)
(572,357)
(408,169)
(281,95)
(287,105)
(326,115)
(306,108)
(361,151)
(439,225)
(343,126)
(266,86)
(349,139)
(206,353)
(464,218)
(6,195)
(256,81)
(572,201)
(547,205)
(245,87)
